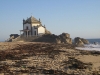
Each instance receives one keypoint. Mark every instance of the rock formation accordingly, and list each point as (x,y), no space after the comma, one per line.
(85,41)
(80,41)
(64,38)
(12,37)
(58,41)
(47,32)
(48,37)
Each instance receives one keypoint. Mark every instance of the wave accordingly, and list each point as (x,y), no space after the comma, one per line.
(90,47)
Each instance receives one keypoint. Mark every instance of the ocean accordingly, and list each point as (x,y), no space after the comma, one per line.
(91,46)
(94,40)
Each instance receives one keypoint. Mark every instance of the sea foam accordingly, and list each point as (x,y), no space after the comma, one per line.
(90,47)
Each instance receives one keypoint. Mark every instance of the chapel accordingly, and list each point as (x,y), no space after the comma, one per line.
(33,27)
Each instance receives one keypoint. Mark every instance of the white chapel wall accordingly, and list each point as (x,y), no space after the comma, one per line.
(41,30)
(29,27)
(33,29)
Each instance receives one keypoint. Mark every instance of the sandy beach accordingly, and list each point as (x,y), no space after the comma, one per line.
(25,58)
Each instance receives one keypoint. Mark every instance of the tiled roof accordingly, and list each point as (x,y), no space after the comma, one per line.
(31,20)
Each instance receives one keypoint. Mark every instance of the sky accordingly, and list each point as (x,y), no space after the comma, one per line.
(79,18)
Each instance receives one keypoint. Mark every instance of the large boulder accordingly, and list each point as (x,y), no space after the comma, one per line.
(68,40)
(62,38)
(58,41)
(80,41)
(65,35)
(65,38)
(85,41)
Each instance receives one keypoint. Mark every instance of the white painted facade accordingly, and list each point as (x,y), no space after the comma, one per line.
(41,30)
(25,27)
(35,24)
(33,27)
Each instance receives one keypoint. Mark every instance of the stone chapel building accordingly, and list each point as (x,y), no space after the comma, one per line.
(33,27)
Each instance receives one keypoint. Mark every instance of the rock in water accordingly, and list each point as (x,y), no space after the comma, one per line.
(80,41)
(85,41)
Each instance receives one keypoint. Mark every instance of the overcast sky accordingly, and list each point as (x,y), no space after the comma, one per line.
(79,18)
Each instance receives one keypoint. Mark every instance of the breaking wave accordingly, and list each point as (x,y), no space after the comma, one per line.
(90,47)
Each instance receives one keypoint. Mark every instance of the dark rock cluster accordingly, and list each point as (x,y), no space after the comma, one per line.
(62,38)
(80,41)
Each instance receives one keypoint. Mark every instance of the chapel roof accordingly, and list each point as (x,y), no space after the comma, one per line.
(40,26)
(31,20)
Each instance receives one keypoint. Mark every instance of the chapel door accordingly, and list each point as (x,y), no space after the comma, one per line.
(34,32)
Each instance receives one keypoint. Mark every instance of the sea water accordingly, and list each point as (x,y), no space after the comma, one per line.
(94,44)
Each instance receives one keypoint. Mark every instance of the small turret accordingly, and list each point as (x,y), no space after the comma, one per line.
(23,20)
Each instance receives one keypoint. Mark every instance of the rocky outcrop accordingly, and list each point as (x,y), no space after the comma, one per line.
(85,41)
(80,41)
(47,32)
(58,41)
(64,38)
(48,37)
(12,37)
